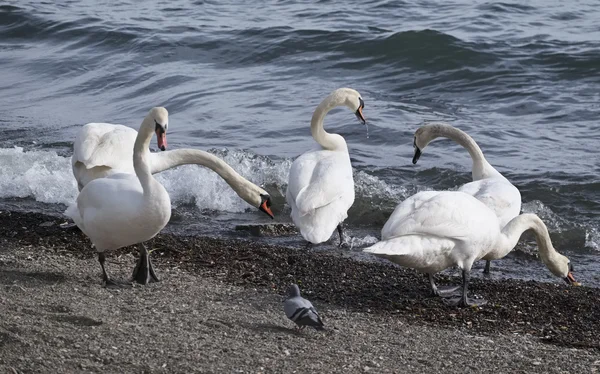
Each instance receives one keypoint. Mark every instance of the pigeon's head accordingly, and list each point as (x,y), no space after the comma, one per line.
(293,291)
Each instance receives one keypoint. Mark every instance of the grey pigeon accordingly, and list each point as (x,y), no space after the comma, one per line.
(300,310)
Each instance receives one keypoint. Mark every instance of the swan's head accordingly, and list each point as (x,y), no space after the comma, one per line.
(161,123)
(255,196)
(423,136)
(265,205)
(352,99)
(561,267)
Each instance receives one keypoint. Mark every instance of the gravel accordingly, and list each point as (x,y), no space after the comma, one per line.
(218,309)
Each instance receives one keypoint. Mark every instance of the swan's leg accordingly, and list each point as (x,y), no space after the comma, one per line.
(106,280)
(143,272)
(343,241)
(443,291)
(486,270)
(308,245)
(465,300)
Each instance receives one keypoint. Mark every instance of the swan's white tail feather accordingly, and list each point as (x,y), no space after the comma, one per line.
(395,246)
(73,212)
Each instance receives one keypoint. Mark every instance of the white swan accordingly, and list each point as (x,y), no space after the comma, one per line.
(488,186)
(104,149)
(124,209)
(434,230)
(320,187)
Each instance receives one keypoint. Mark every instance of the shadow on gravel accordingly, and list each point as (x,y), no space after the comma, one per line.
(30,279)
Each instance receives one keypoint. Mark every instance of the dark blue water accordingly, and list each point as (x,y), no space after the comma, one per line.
(242,80)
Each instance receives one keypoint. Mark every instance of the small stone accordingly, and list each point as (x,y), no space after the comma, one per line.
(537,363)
(287,352)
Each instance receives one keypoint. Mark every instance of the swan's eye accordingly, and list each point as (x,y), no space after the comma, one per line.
(160,128)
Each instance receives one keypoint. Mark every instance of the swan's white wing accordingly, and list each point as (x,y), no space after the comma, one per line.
(421,252)
(319,178)
(119,190)
(499,195)
(104,144)
(432,231)
(102,149)
(441,214)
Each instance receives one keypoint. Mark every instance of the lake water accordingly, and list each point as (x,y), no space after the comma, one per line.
(241,80)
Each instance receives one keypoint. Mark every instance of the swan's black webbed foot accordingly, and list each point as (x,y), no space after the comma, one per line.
(107,281)
(464,301)
(448,291)
(114,284)
(443,291)
(143,273)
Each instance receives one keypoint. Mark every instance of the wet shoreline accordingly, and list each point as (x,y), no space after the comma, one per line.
(550,312)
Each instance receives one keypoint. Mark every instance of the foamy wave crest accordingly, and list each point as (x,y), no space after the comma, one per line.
(592,238)
(207,190)
(369,187)
(47,177)
(557,224)
(43,175)
(552,220)
(359,243)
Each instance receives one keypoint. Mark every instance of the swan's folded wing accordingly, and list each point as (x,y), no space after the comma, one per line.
(330,180)
(438,214)
(120,190)
(104,144)
(423,249)
(497,194)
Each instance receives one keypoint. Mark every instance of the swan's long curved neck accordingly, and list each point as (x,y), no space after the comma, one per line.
(141,154)
(516,227)
(481,167)
(325,139)
(169,159)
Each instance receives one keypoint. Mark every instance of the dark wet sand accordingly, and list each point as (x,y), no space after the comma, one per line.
(218,309)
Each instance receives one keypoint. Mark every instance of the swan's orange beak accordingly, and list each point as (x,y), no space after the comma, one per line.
(570,279)
(265,205)
(359,112)
(161,139)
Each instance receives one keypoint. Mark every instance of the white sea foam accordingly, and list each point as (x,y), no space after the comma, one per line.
(43,175)
(358,242)
(592,238)
(557,224)
(47,177)
(203,187)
